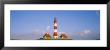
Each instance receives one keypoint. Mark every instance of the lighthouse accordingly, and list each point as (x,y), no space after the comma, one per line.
(55,34)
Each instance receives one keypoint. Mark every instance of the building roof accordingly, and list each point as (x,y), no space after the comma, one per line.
(47,35)
(63,35)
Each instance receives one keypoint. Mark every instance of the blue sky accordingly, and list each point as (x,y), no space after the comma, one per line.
(77,24)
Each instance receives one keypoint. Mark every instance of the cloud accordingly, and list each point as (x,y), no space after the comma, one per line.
(48,28)
(85,32)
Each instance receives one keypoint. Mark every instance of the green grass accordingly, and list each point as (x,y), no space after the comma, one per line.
(55,39)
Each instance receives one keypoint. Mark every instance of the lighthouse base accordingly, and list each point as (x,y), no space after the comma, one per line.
(55,37)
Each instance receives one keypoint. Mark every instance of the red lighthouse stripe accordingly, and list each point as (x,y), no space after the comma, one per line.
(55,27)
(55,34)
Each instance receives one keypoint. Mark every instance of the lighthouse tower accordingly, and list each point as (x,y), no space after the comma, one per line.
(55,35)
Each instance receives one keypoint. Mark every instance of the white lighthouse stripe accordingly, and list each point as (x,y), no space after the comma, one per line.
(55,24)
(55,30)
